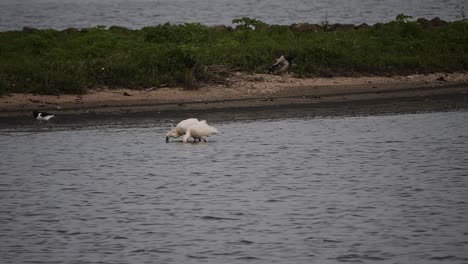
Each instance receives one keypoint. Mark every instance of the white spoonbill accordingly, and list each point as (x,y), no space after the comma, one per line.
(182,127)
(200,130)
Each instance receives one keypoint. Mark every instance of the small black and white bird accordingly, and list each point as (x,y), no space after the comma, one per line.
(42,116)
(281,65)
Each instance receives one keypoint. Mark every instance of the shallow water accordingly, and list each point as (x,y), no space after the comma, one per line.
(390,189)
(60,14)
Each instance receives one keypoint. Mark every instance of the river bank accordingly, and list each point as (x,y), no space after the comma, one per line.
(329,96)
(193,56)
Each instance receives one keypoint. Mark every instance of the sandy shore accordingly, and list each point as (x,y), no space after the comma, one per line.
(259,90)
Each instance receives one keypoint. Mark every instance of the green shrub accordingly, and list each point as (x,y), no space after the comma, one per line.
(70,61)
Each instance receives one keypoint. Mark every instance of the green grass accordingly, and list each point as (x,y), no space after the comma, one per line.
(55,62)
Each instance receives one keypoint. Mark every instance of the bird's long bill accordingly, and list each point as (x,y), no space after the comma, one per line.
(167,139)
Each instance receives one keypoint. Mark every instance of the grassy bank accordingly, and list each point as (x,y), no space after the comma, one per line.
(69,61)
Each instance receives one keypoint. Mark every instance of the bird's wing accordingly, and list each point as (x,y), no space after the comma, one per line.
(277,66)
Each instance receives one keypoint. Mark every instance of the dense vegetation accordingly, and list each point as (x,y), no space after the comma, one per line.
(69,61)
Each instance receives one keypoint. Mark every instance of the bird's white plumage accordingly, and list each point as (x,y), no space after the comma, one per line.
(42,116)
(200,130)
(181,128)
(280,66)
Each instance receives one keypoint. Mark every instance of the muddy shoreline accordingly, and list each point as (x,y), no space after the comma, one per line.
(282,96)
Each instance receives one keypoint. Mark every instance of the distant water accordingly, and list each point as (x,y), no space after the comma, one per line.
(377,189)
(60,14)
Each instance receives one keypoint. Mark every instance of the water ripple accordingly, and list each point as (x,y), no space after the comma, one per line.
(359,189)
(140,13)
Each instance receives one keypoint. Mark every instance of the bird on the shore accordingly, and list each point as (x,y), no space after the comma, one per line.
(281,65)
(42,116)
(198,131)
(181,128)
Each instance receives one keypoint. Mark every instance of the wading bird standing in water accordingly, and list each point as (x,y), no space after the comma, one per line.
(198,131)
(181,128)
(42,117)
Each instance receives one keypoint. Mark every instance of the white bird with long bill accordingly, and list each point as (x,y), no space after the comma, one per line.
(181,128)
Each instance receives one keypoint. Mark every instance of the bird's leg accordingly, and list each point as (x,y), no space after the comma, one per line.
(203,139)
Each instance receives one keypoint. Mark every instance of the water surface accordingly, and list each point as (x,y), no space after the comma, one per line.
(389,189)
(60,14)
